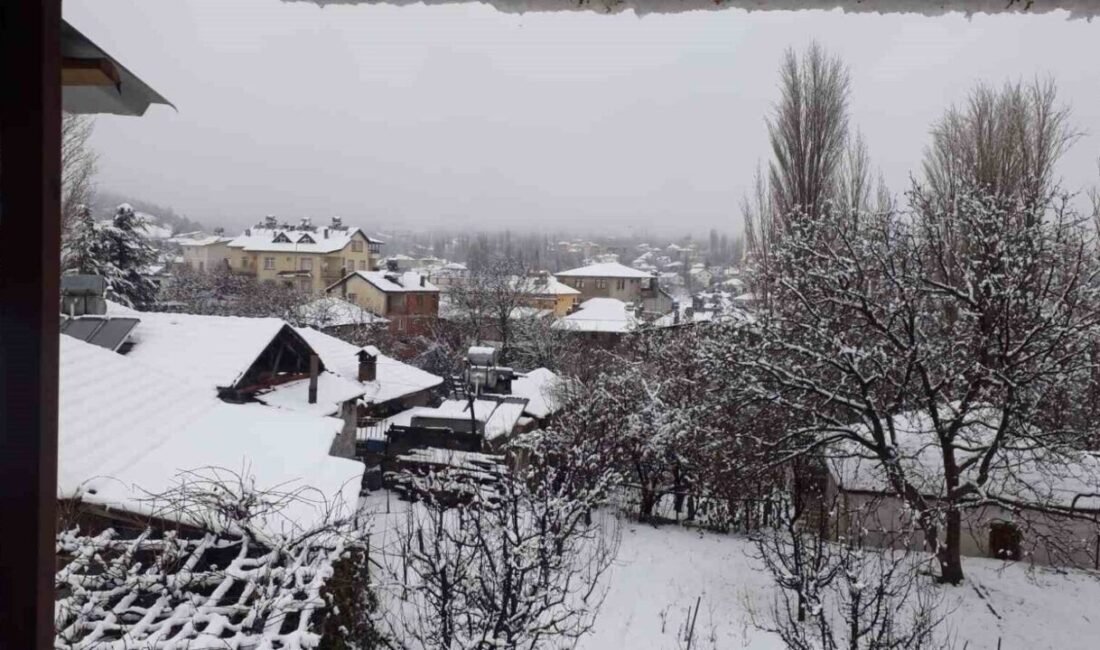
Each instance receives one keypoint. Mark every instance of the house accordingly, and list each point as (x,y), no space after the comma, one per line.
(131,437)
(543,389)
(241,360)
(448,275)
(127,428)
(306,257)
(545,292)
(1045,513)
(389,386)
(487,420)
(205,253)
(408,300)
(614,280)
(602,320)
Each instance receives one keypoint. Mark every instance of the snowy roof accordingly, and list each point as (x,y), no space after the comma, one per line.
(1077,8)
(391,282)
(321,239)
(544,286)
(541,387)
(604,270)
(393,379)
(126,429)
(213,351)
(498,417)
(1016,474)
(600,315)
(201,241)
(335,312)
(332,391)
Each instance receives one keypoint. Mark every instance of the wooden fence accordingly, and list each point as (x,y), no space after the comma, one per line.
(741,515)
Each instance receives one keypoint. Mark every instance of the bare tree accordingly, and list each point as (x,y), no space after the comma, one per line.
(518,563)
(78,166)
(488,302)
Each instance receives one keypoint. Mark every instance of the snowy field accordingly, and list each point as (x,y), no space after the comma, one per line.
(661,572)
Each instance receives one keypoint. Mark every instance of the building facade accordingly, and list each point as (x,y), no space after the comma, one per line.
(306,257)
(407,300)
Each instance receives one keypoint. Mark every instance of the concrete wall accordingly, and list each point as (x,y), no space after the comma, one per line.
(344,444)
(205,258)
(1045,539)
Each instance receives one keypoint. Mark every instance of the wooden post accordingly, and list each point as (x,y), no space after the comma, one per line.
(314,370)
(30,191)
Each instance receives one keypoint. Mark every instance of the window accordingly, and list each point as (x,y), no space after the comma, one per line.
(351,297)
(306,264)
(244,262)
(580,284)
(621,284)
(356,246)
(362,265)
(269,263)
(419,300)
(601,283)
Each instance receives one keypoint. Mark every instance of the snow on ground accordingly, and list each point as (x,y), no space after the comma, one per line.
(660,572)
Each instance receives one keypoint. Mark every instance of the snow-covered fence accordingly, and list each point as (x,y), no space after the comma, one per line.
(712,513)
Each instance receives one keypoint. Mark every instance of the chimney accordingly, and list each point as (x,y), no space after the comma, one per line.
(337,223)
(219,231)
(368,365)
(422,281)
(675,311)
(305,224)
(247,232)
(270,222)
(326,233)
(697,303)
(314,370)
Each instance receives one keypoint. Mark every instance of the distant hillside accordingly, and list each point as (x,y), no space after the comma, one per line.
(170,223)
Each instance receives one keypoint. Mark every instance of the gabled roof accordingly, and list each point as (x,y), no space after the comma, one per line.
(391,282)
(126,429)
(544,286)
(604,270)
(1022,475)
(600,315)
(126,95)
(332,392)
(498,418)
(331,311)
(211,351)
(393,379)
(320,240)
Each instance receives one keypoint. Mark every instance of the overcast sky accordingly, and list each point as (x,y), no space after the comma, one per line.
(460,115)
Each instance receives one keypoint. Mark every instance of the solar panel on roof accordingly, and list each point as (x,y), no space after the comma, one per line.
(105,332)
(113,332)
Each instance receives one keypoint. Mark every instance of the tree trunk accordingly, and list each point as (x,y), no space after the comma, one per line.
(949,553)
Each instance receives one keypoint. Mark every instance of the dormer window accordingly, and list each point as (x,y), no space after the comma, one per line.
(306,239)
(281,238)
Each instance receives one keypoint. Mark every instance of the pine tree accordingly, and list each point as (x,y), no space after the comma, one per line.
(129,254)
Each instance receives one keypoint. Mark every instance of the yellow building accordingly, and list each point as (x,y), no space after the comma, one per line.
(543,291)
(305,256)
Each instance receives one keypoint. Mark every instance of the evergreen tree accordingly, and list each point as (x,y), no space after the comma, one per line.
(129,255)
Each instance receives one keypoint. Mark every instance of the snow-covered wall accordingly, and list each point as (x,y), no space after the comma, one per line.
(1077,8)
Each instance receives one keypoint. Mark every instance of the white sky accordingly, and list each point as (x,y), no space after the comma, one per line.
(459,115)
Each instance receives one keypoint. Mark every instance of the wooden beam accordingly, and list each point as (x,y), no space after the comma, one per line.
(30,197)
(89,72)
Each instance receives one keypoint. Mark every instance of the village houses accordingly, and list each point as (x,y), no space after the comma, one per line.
(407,300)
(614,280)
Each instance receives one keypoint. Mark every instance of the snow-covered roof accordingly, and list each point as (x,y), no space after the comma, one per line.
(600,315)
(391,282)
(201,241)
(126,429)
(1077,8)
(213,351)
(332,391)
(335,312)
(603,270)
(393,379)
(542,388)
(499,418)
(544,286)
(320,240)
(1017,473)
